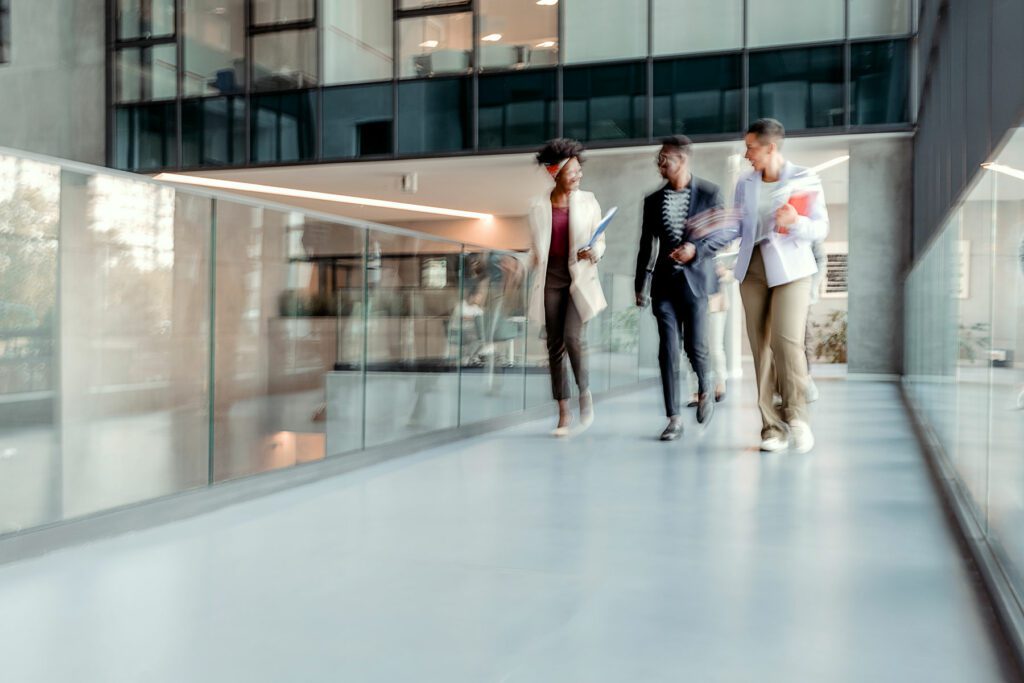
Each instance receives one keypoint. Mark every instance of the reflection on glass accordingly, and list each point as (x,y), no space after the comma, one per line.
(879,82)
(145,137)
(144,18)
(145,74)
(870,18)
(596,30)
(518,34)
(284,60)
(282,11)
(435,45)
(698,95)
(517,109)
(776,22)
(214,47)
(434,116)
(358,121)
(357,37)
(802,88)
(605,102)
(283,126)
(412,378)
(29,430)
(697,26)
(213,131)
(288,340)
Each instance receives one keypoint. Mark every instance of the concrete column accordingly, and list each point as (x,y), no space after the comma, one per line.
(880,227)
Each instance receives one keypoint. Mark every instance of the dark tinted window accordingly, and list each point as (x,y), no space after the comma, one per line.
(605,102)
(518,109)
(358,121)
(145,137)
(284,127)
(213,131)
(698,95)
(879,88)
(802,88)
(434,116)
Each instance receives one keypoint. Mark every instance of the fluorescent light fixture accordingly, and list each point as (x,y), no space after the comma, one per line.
(492,38)
(829,164)
(1005,170)
(546,43)
(319,196)
(428,43)
(547,2)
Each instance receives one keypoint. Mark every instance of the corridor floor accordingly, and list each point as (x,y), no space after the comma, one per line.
(515,557)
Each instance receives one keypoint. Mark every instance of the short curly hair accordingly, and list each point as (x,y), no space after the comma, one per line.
(559,149)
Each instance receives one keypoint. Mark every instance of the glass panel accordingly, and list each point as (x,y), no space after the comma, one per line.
(145,74)
(281,11)
(973,288)
(283,60)
(284,127)
(144,18)
(517,109)
(518,34)
(879,18)
(879,76)
(134,317)
(623,330)
(214,46)
(146,137)
(412,379)
(697,26)
(775,22)
(288,340)
(429,46)
(493,319)
(434,116)
(597,30)
(698,95)
(358,121)
(802,88)
(30,485)
(213,132)
(605,102)
(358,36)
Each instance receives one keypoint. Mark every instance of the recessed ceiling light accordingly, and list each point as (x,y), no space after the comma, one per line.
(428,43)
(546,43)
(492,38)
(219,10)
(319,196)
(547,2)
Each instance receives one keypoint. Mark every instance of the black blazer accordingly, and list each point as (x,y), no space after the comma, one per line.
(698,273)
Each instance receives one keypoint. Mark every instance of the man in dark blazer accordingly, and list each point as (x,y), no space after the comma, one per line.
(678,241)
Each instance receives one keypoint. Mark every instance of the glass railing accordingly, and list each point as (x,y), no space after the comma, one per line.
(964,352)
(155,340)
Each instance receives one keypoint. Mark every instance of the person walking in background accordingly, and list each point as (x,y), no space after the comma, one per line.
(675,263)
(820,260)
(566,291)
(783,214)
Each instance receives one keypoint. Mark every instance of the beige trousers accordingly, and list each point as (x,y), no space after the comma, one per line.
(776,321)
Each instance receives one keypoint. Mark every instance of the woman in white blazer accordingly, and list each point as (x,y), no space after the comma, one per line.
(566,290)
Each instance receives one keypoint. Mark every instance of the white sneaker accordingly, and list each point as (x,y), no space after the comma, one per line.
(812,391)
(800,433)
(774,444)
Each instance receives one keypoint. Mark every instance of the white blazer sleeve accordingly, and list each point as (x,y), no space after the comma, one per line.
(813,228)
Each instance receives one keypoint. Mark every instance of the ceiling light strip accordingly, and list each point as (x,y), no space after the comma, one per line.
(318,196)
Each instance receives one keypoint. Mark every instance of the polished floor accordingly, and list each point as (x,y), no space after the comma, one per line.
(515,557)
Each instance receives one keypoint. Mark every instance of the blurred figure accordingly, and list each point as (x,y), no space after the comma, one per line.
(718,309)
(566,292)
(679,274)
(465,329)
(775,266)
(820,260)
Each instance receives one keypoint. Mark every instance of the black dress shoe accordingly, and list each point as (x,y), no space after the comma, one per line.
(705,408)
(674,429)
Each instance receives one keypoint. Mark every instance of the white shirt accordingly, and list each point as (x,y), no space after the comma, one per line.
(765,215)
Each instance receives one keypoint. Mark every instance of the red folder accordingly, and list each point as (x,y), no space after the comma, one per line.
(802,202)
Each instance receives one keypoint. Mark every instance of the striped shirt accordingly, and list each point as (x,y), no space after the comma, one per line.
(674,212)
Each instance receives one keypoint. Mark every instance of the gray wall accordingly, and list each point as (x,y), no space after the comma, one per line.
(971,92)
(53,88)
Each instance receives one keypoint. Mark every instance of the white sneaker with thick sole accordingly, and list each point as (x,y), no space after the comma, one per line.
(774,444)
(812,391)
(801,436)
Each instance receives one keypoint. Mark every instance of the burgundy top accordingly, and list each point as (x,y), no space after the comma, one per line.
(559,234)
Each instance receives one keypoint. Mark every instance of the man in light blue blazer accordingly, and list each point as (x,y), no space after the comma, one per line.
(783,214)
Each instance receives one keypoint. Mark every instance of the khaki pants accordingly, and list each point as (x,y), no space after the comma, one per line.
(776,322)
